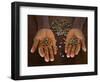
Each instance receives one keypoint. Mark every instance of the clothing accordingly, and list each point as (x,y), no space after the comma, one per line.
(59,25)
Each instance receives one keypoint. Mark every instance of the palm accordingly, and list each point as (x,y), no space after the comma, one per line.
(74,42)
(46,44)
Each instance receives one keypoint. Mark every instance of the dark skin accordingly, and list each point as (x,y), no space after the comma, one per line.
(46,51)
(73,50)
(49,51)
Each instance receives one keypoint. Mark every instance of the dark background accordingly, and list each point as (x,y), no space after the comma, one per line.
(36,60)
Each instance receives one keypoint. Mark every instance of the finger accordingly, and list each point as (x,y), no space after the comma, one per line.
(51,54)
(46,57)
(66,46)
(41,51)
(83,46)
(64,39)
(78,46)
(54,47)
(69,51)
(73,51)
(34,46)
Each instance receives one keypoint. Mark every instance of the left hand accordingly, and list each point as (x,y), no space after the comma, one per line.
(74,42)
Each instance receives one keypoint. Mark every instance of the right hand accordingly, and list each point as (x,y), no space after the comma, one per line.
(45,42)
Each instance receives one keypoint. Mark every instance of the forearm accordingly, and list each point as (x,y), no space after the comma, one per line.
(42,22)
(78,23)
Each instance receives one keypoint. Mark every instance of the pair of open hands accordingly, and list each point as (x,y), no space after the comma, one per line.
(49,51)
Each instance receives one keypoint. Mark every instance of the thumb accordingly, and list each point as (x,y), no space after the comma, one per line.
(83,45)
(34,46)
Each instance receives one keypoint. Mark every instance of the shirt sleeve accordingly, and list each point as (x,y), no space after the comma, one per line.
(78,22)
(42,22)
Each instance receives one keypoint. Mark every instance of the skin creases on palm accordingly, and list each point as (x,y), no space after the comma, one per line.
(45,42)
(46,37)
(74,42)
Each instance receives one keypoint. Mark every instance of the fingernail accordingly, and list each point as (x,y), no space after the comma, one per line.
(84,49)
(68,56)
(65,51)
(72,55)
(55,53)
(51,59)
(46,60)
(41,55)
(76,54)
(31,50)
